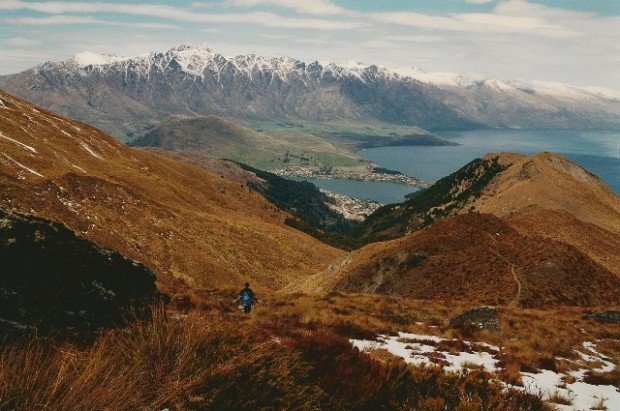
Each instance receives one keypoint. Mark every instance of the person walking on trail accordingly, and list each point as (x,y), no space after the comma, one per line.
(246,298)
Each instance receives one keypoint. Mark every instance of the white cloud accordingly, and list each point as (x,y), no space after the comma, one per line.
(421,38)
(178,14)
(478,23)
(319,7)
(515,39)
(20,42)
(65,20)
(478,1)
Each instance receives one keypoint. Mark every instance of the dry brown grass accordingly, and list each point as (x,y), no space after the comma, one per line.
(531,340)
(557,398)
(231,361)
(205,354)
(476,258)
(181,221)
(191,363)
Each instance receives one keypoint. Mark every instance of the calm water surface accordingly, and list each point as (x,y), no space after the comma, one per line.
(599,152)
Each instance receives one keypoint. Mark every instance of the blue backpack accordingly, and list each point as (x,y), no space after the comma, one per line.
(246,299)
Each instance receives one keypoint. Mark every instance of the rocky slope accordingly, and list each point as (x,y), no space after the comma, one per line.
(184,223)
(476,258)
(123,95)
(52,278)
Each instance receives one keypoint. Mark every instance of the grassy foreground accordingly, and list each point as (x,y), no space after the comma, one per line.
(209,359)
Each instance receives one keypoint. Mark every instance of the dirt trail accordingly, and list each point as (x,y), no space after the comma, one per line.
(513,271)
(515,300)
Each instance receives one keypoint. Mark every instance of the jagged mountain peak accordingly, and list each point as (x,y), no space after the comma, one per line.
(125,95)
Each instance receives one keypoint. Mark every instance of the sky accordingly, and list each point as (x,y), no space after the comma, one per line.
(576,42)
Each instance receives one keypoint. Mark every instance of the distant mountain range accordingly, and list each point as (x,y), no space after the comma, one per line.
(126,95)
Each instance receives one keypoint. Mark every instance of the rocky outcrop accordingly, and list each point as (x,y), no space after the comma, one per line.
(53,279)
(483,318)
(606,317)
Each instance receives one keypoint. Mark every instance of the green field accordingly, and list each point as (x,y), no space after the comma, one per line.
(280,145)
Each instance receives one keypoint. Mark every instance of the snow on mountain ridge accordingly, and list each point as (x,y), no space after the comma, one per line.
(196,60)
(92,59)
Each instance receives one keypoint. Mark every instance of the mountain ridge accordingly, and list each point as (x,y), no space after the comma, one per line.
(197,80)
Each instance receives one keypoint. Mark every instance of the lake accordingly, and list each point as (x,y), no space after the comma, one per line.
(597,151)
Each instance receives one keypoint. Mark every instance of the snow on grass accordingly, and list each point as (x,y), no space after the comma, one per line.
(596,357)
(19,143)
(23,166)
(90,151)
(414,349)
(582,395)
(417,349)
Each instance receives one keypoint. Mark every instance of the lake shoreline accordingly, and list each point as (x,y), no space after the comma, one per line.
(303,173)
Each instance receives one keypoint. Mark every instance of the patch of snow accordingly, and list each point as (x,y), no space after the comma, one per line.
(413,350)
(90,151)
(583,395)
(596,357)
(91,59)
(19,143)
(79,168)
(23,166)
(2,104)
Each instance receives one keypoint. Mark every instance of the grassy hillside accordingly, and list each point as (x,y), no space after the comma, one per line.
(477,258)
(188,225)
(222,138)
(228,362)
(443,198)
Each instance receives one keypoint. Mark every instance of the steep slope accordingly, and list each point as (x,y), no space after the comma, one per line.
(123,95)
(550,182)
(476,258)
(181,221)
(299,198)
(445,197)
(598,243)
(52,278)
(544,195)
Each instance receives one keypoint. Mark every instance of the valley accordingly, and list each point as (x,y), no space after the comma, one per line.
(414,241)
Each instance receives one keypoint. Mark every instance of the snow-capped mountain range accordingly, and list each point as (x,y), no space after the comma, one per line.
(127,94)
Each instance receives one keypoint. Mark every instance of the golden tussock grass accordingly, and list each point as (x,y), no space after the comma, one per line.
(214,360)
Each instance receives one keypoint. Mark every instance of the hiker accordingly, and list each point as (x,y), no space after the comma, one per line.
(246,298)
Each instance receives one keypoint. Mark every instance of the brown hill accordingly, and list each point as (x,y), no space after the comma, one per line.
(550,182)
(549,196)
(543,195)
(477,258)
(179,220)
